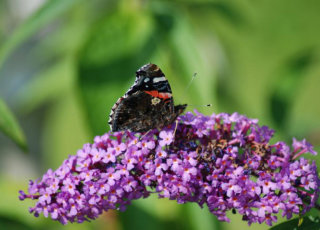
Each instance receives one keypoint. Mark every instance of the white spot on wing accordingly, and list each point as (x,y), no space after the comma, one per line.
(158,79)
(147,79)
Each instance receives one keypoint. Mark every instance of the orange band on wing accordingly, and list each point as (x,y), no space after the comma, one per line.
(153,93)
(165,95)
(156,93)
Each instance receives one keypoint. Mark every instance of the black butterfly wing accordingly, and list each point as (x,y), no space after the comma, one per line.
(147,104)
(140,112)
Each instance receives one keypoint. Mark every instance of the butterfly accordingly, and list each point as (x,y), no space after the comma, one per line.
(148,103)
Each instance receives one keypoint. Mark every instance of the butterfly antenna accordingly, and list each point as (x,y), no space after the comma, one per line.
(207,105)
(193,77)
(188,86)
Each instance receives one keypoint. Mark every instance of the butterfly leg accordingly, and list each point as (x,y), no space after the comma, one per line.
(175,129)
(142,136)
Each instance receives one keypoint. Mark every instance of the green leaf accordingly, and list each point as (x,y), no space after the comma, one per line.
(117,45)
(308,223)
(287,85)
(10,127)
(14,224)
(48,12)
(47,86)
(201,217)
(191,56)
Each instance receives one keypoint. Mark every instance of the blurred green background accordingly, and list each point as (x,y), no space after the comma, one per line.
(63,64)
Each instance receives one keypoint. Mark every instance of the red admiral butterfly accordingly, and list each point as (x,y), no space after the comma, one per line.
(148,104)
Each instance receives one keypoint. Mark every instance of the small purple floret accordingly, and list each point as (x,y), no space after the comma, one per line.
(223,161)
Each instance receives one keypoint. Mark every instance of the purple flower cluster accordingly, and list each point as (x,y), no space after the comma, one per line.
(223,161)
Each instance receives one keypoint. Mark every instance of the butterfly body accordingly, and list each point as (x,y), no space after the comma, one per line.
(148,104)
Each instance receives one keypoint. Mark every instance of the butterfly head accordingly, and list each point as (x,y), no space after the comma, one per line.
(178,109)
